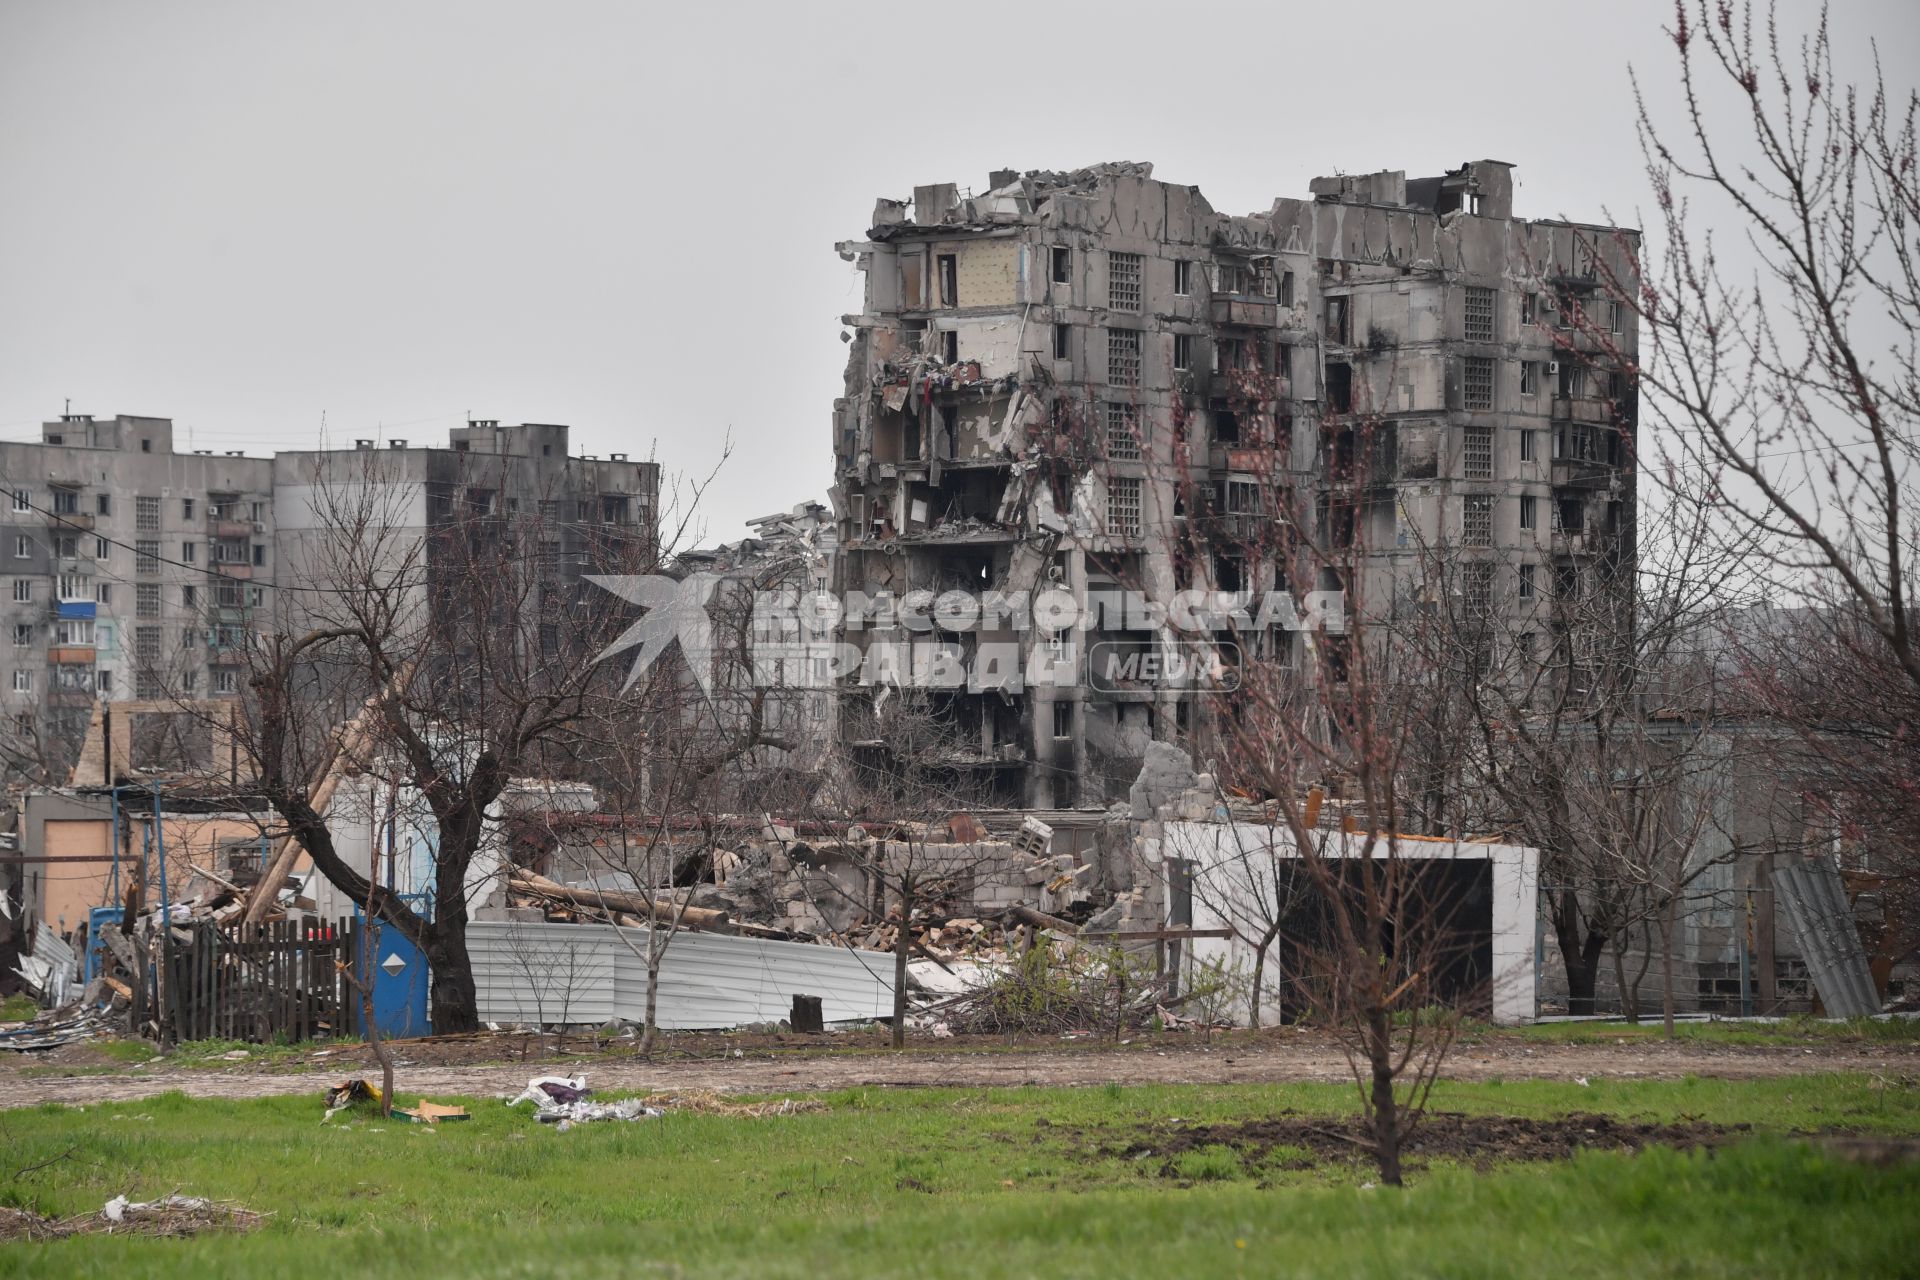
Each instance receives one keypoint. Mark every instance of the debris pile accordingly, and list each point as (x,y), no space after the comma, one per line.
(353,1093)
(349,1093)
(56,1027)
(171,1215)
(938,936)
(1043,993)
(564,1101)
(708,1103)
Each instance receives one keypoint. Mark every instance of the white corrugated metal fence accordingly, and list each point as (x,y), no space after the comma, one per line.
(583,974)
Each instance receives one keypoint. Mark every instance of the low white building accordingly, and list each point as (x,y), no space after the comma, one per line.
(1236,875)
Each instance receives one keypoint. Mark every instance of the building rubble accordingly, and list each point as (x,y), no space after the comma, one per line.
(749,915)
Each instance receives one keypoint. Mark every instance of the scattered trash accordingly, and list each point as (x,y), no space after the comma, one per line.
(346,1094)
(545,1091)
(172,1215)
(51,1030)
(563,1101)
(565,1115)
(350,1093)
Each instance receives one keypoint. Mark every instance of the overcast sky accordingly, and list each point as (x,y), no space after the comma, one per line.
(254,218)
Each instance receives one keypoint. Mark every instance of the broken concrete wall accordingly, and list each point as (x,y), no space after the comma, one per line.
(1078,325)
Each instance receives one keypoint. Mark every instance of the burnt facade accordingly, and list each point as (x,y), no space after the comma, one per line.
(1093,384)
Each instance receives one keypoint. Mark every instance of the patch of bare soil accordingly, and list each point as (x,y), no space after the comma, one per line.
(1481,1141)
(479,1066)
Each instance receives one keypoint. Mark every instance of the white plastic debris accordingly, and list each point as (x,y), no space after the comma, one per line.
(562,1101)
(564,1117)
(547,1091)
(120,1209)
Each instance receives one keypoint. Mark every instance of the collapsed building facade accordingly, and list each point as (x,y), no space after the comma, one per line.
(766,667)
(1094,383)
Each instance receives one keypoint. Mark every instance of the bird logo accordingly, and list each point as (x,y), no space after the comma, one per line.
(676,610)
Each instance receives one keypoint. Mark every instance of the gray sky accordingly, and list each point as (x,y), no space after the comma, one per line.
(622,216)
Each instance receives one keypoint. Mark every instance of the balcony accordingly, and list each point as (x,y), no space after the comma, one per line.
(1370,463)
(71,655)
(1254,312)
(221,527)
(1565,543)
(1246,528)
(73,609)
(1582,473)
(1595,409)
(230,569)
(1256,460)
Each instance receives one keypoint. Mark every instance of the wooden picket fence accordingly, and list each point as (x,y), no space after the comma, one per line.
(276,981)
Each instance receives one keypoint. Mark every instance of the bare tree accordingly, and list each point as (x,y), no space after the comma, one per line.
(1599,717)
(1840,725)
(1778,369)
(1349,712)
(555,972)
(1792,391)
(672,748)
(37,748)
(451,656)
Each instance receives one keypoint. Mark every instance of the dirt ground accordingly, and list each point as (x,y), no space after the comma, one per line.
(485,1065)
(1296,1142)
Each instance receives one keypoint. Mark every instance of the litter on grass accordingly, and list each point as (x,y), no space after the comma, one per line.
(349,1093)
(173,1215)
(432,1112)
(545,1091)
(564,1101)
(567,1114)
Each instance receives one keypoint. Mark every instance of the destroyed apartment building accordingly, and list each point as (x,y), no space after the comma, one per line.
(763,663)
(1093,382)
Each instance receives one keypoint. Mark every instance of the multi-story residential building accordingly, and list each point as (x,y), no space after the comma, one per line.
(140,573)
(1089,382)
(1486,358)
(569,515)
(133,570)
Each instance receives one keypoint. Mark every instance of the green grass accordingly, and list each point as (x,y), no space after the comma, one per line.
(974,1183)
(1798,1029)
(18,1008)
(131,1052)
(213,1053)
